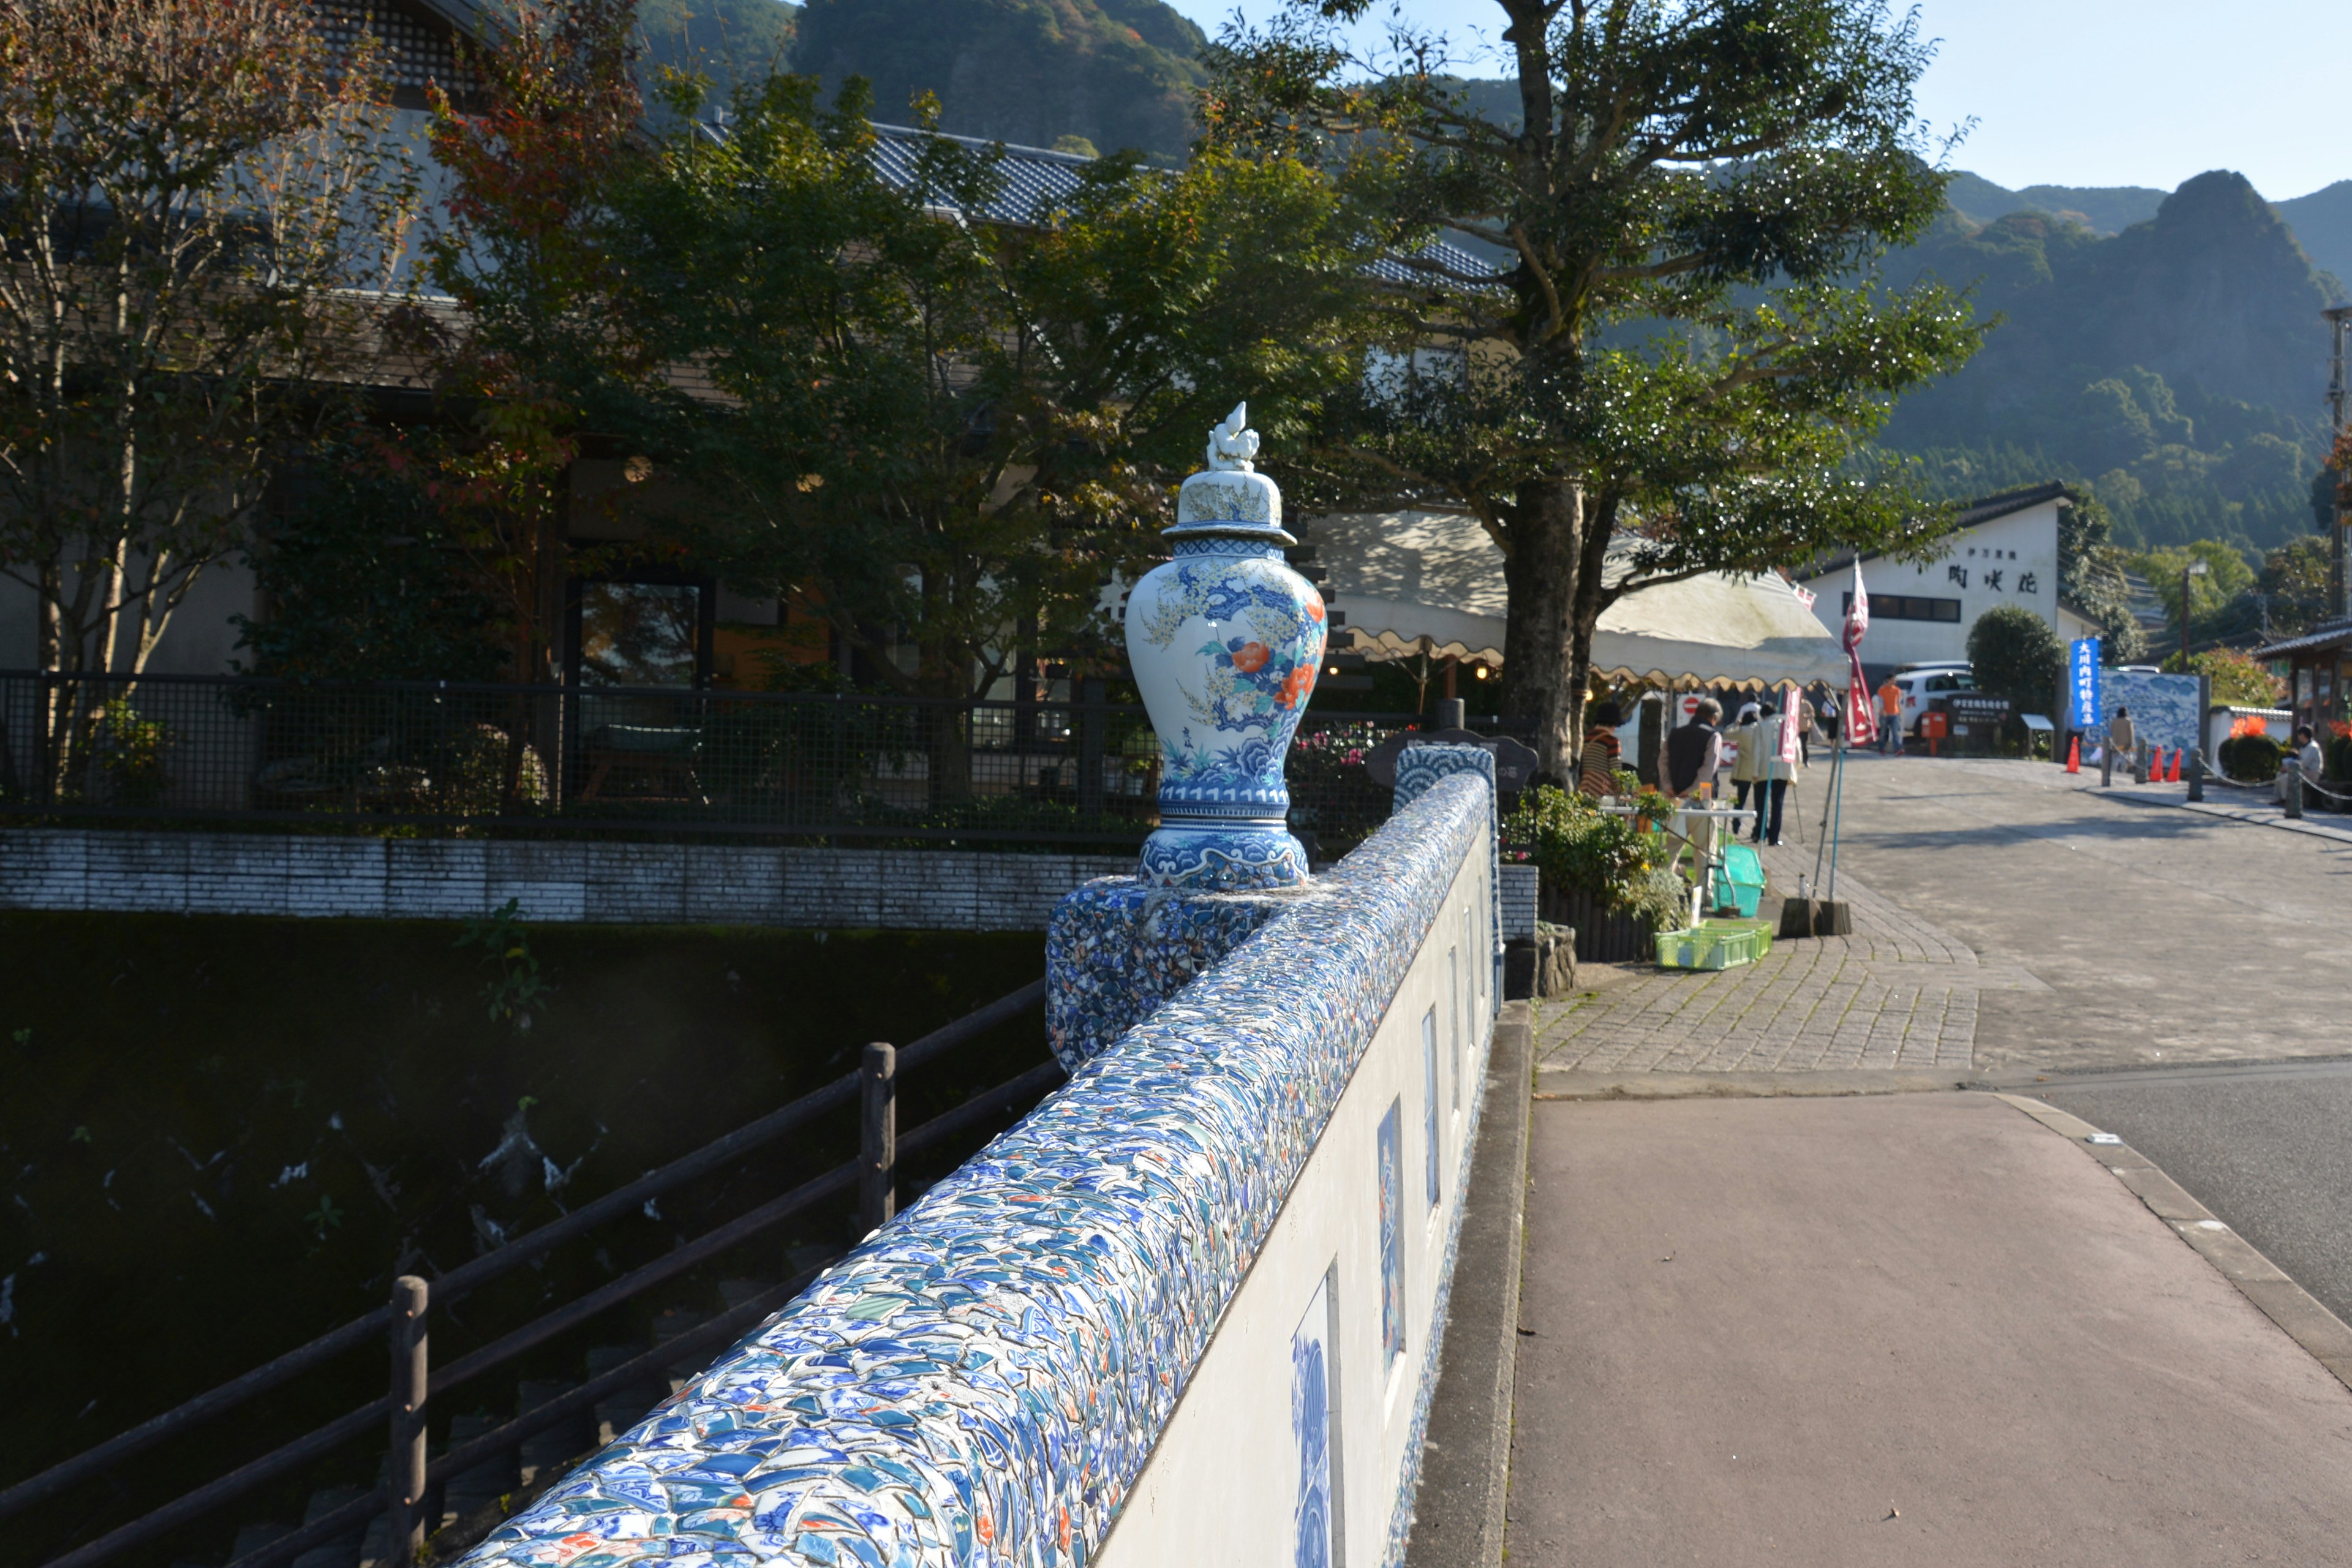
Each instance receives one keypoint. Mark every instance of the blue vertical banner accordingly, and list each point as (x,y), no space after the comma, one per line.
(2083,681)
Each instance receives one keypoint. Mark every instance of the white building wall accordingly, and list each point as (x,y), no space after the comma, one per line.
(2011,559)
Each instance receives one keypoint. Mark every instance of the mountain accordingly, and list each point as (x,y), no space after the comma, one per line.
(2101,209)
(1118,73)
(2177,365)
(2322,221)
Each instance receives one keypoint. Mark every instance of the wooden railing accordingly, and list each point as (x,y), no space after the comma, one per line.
(415,1383)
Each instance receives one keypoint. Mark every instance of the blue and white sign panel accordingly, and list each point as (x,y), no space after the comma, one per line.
(2083,680)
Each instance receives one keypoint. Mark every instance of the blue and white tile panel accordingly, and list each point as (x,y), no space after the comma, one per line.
(985,1381)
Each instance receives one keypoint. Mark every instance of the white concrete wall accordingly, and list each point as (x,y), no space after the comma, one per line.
(1223,1485)
(2019,547)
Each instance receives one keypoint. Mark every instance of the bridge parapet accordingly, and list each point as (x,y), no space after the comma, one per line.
(1188,1310)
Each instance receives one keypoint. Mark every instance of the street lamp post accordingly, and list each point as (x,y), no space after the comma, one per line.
(2194,569)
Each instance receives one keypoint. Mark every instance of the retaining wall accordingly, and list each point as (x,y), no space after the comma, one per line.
(565,879)
(1186,1312)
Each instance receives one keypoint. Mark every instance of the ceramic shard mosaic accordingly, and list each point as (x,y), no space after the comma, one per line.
(1117,948)
(981,1381)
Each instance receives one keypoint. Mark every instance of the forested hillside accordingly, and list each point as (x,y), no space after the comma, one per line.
(2177,365)
(726,40)
(1115,73)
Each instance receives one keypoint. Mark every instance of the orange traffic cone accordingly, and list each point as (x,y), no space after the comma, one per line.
(2156,767)
(2074,756)
(2173,776)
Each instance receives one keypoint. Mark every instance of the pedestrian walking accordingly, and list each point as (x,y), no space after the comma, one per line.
(1747,750)
(2308,761)
(1770,773)
(1890,718)
(1833,715)
(1806,715)
(2124,739)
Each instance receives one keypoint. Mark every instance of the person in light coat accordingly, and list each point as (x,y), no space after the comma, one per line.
(1739,748)
(1759,756)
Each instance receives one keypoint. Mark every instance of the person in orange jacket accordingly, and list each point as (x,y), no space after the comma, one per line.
(1890,716)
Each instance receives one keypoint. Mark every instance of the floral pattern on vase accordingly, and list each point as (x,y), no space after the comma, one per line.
(1225,640)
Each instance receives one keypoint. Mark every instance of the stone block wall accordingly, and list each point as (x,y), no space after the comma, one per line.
(551,880)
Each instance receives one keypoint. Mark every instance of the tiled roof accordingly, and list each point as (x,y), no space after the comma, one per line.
(2331,634)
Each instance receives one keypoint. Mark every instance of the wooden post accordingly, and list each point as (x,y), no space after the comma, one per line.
(877,1141)
(405,1472)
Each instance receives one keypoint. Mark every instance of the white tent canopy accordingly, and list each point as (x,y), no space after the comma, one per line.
(1432,583)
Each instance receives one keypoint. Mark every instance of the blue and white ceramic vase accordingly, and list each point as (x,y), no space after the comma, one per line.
(1226,641)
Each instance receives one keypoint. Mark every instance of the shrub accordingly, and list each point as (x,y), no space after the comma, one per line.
(2016,655)
(2252,758)
(1576,847)
(2238,679)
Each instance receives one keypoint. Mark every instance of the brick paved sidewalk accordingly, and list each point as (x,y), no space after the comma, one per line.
(1897,992)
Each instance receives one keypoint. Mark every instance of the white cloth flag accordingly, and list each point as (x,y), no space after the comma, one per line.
(1861,713)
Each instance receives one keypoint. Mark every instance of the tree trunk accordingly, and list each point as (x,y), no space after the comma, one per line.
(1543,674)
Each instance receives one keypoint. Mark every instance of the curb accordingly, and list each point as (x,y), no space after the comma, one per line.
(2289,1305)
(1466,1450)
(1577,1084)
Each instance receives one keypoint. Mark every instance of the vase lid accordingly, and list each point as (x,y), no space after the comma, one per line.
(1230,499)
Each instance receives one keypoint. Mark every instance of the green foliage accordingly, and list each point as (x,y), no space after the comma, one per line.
(2091,576)
(1576,846)
(1677,343)
(2226,576)
(2237,678)
(725,41)
(2251,759)
(2016,655)
(504,941)
(131,752)
(366,580)
(2294,578)
(1118,73)
(2169,364)
(940,431)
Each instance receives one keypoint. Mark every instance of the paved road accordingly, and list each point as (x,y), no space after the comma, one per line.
(2164,935)
(2267,1148)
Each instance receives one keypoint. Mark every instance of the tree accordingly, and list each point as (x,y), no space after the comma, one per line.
(2238,677)
(1669,361)
(2091,576)
(2225,579)
(519,247)
(2293,582)
(204,208)
(2016,655)
(367,579)
(944,436)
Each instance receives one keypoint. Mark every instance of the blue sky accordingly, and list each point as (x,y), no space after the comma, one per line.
(2095,92)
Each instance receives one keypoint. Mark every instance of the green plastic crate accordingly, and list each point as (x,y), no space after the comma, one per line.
(1714,944)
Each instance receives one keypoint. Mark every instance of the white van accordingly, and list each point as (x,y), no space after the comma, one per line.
(1922,681)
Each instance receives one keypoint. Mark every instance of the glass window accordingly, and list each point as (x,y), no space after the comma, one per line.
(638,634)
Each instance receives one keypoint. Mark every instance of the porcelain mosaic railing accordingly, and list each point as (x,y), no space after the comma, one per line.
(1248,1206)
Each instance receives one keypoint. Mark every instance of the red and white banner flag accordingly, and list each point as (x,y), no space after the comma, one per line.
(1861,709)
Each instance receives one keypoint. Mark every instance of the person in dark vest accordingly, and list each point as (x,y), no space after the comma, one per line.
(1694,752)
(1694,756)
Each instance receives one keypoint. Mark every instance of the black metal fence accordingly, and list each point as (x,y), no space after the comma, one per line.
(677,762)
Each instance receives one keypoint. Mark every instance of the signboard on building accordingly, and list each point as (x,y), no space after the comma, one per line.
(2083,683)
